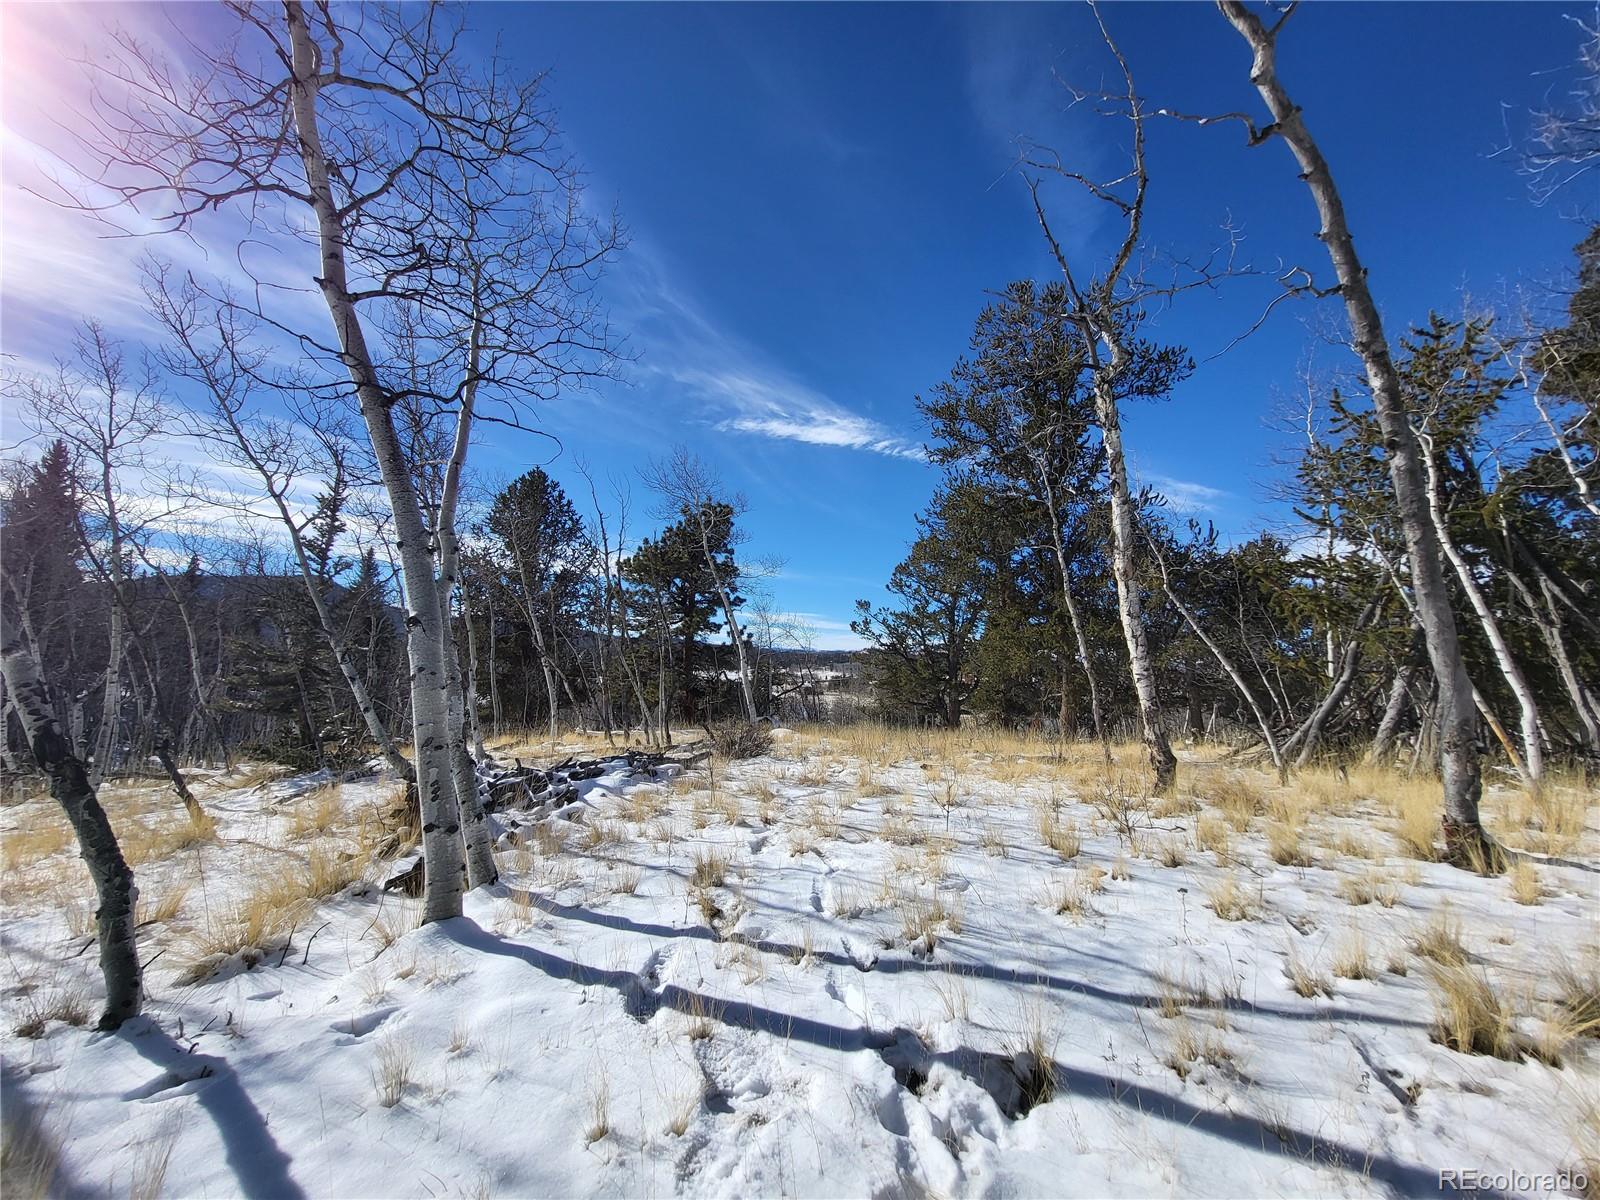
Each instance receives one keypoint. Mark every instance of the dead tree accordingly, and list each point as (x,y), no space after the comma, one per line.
(1465,839)
(363,132)
(97,842)
(1103,310)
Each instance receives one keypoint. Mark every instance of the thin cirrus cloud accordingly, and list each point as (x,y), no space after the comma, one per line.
(768,405)
(1187,496)
(737,389)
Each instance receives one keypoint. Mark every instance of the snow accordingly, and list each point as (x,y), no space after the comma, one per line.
(795,1030)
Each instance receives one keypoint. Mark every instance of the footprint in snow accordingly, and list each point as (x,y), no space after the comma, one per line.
(357,1027)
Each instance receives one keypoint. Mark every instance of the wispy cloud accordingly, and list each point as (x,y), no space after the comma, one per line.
(1187,496)
(737,388)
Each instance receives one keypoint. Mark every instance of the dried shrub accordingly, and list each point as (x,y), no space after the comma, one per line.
(740,739)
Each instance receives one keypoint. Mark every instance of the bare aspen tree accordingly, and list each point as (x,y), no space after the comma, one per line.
(1102,309)
(107,411)
(1527,707)
(97,842)
(1463,830)
(210,346)
(364,132)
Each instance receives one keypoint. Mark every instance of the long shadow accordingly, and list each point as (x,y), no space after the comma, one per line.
(997,974)
(642,1002)
(31,1163)
(260,1168)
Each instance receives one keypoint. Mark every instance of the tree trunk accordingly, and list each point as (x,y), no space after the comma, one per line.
(1129,606)
(1462,828)
(475,831)
(1309,735)
(496,712)
(1227,664)
(111,705)
(440,809)
(1070,603)
(97,843)
(180,785)
(1527,707)
(1394,709)
(474,725)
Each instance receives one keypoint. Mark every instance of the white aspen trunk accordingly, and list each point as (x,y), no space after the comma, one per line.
(441,812)
(1528,709)
(1309,735)
(111,704)
(1129,606)
(1459,756)
(97,842)
(629,667)
(474,725)
(1548,618)
(475,830)
(1070,603)
(496,715)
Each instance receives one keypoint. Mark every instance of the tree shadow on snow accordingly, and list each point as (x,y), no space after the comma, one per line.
(643,997)
(965,968)
(260,1168)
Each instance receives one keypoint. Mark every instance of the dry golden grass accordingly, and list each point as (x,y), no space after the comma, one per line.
(1353,845)
(46,836)
(1068,897)
(1182,990)
(318,813)
(394,1070)
(1285,845)
(1353,960)
(68,1003)
(922,915)
(992,840)
(709,868)
(1369,886)
(1552,820)
(1578,993)
(30,1159)
(1305,981)
(160,909)
(600,833)
(267,915)
(1212,833)
(1238,796)
(1192,1044)
(1440,940)
(1060,835)
(1230,901)
(1170,852)
(1523,879)
(143,843)
(1470,1015)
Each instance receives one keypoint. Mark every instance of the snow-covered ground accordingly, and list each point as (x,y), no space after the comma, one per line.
(842,969)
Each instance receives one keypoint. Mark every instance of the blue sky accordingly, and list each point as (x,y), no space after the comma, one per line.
(819,200)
